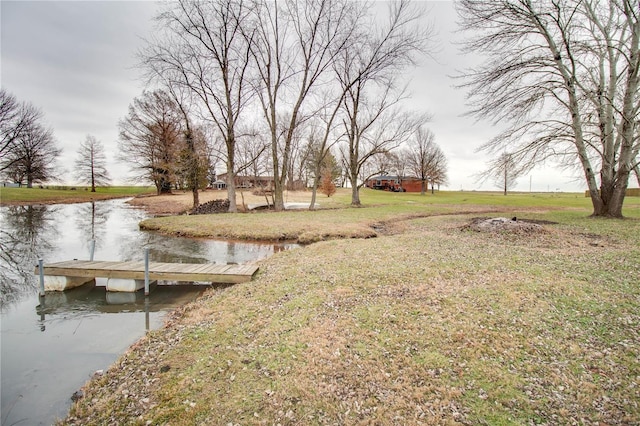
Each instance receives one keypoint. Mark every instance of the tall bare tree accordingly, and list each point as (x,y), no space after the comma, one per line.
(295,46)
(564,75)
(369,71)
(504,172)
(151,138)
(91,164)
(426,160)
(372,130)
(205,49)
(325,126)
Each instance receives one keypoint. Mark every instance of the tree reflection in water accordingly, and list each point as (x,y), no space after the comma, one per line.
(64,232)
(27,234)
(163,249)
(91,219)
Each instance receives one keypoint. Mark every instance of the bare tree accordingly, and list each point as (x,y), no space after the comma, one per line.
(323,128)
(323,167)
(397,162)
(252,160)
(151,138)
(15,118)
(426,160)
(383,163)
(504,172)
(27,149)
(439,174)
(205,49)
(564,75)
(368,72)
(295,46)
(32,157)
(373,130)
(91,164)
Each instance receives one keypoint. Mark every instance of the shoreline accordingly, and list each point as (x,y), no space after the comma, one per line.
(64,201)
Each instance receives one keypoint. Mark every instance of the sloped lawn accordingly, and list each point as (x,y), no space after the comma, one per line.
(430,324)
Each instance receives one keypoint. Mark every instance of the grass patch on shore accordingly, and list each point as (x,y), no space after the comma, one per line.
(382,212)
(67,194)
(433,324)
(428,323)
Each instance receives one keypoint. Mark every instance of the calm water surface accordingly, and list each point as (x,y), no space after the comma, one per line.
(51,346)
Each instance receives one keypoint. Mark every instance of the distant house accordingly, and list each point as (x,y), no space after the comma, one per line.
(395,183)
(219,184)
(10,185)
(266,182)
(262,182)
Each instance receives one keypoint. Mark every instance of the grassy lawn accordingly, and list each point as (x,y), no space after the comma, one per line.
(428,323)
(379,208)
(67,194)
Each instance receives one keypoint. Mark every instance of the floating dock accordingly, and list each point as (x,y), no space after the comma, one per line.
(130,276)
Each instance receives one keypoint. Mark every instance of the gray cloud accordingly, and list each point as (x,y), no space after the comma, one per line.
(76,61)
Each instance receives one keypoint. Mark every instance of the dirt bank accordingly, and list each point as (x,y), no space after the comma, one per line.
(179,202)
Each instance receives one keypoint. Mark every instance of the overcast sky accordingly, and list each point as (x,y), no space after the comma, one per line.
(76,61)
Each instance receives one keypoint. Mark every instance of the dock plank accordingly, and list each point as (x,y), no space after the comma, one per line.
(157,271)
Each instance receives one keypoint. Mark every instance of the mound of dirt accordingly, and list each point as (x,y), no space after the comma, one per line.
(503,224)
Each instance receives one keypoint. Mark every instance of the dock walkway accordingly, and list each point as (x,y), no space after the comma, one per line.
(79,270)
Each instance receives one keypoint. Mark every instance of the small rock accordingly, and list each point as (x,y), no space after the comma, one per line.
(77,395)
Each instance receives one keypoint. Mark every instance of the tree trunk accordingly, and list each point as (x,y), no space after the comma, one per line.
(231,187)
(505,179)
(316,178)
(616,202)
(196,196)
(314,191)
(278,195)
(279,176)
(610,206)
(165,187)
(163,184)
(355,195)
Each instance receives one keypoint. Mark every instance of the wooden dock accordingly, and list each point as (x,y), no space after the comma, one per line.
(135,270)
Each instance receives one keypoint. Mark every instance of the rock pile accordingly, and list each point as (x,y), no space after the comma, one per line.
(502,224)
(213,206)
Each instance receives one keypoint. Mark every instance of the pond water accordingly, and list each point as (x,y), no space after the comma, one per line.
(51,346)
